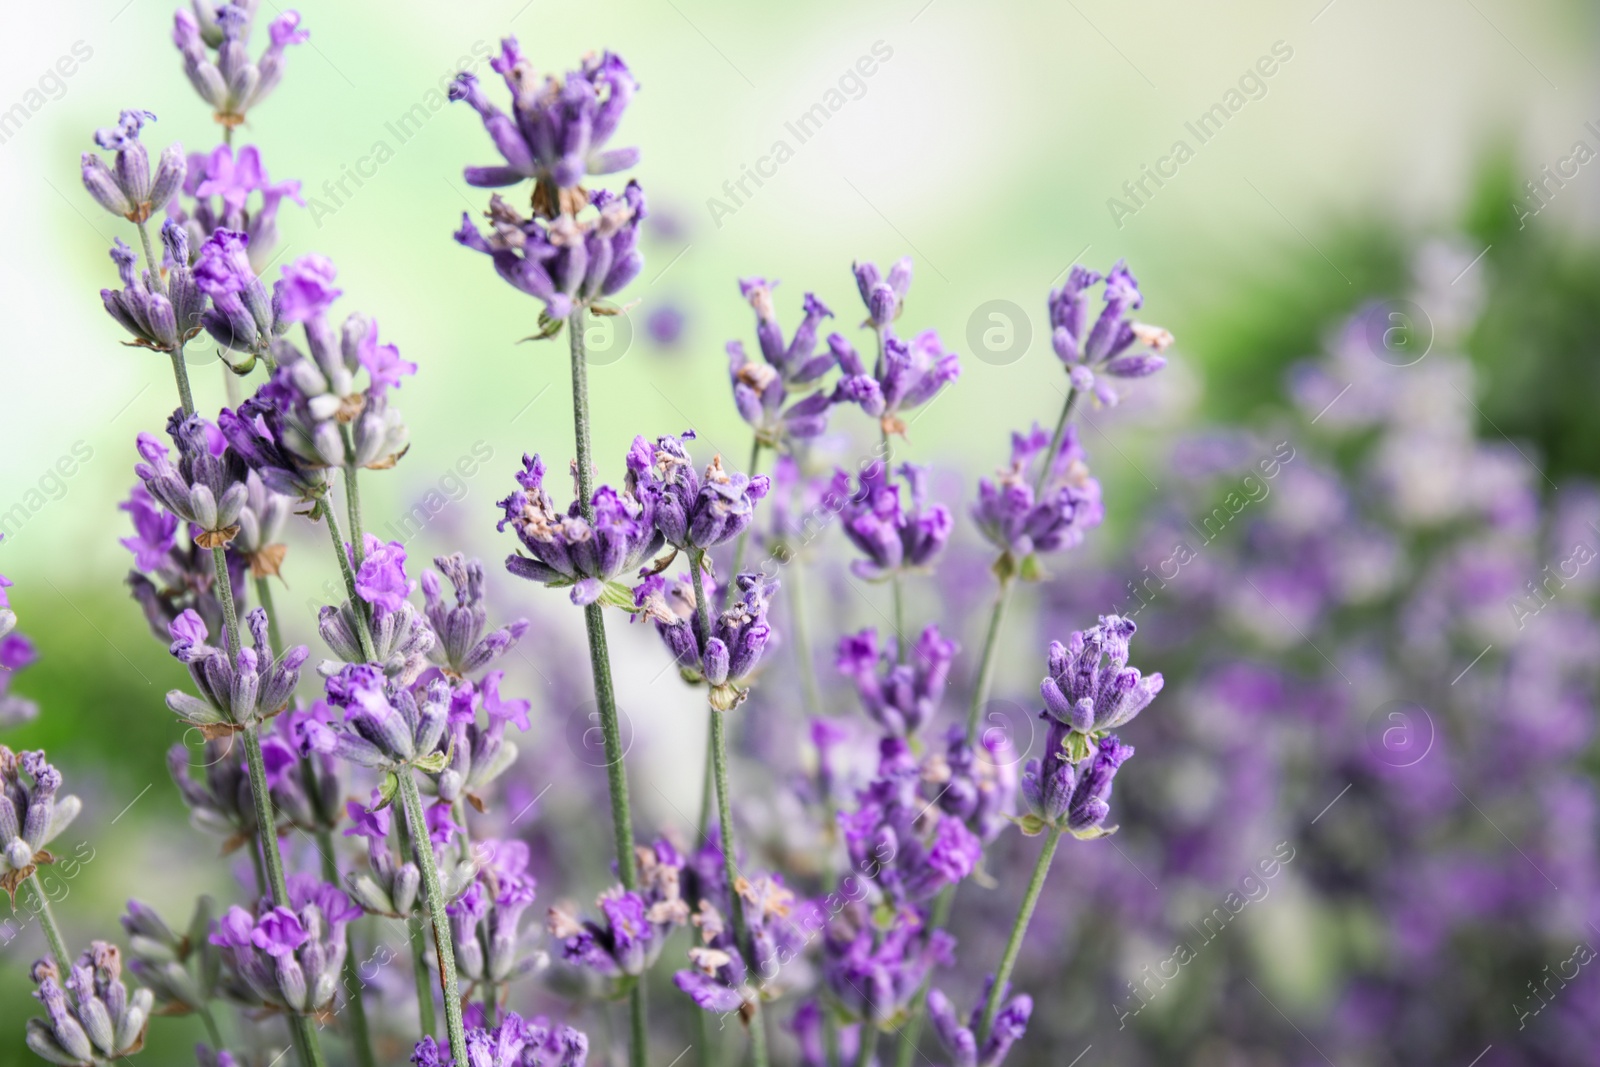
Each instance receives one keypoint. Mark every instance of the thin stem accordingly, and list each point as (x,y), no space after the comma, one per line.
(210,1022)
(363,634)
(909,1033)
(264,600)
(360,1032)
(419,946)
(444,945)
(180,374)
(742,544)
(868,1045)
(47,922)
(352,495)
(986,662)
(600,664)
(902,645)
(802,641)
(491,1004)
(1055,441)
(1030,899)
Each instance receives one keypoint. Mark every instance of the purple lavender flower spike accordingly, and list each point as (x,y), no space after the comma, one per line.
(289,956)
(514,1043)
(242,316)
(727,655)
(255,686)
(126,186)
(486,918)
(977,783)
(874,974)
(205,489)
(900,697)
(90,1015)
(634,925)
(961,1040)
(1021,523)
(388,886)
(164,963)
(568,262)
(810,1033)
(221,187)
(908,375)
(1104,346)
(558,128)
(32,813)
(478,753)
(213,39)
(381,579)
(894,538)
(1090,687)
(883,297)
(690,510)
(570,551)
(260,432)
(160,321)
(385,724)
(463,646)
(1067,793)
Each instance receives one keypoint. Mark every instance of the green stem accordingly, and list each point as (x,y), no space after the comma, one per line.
(719,765)
(1030,899)
(1055,441)
(363,634)
(264,599)
(360,1032)
(210,1022)
(352,494)
(868,1045)
(986,662)
(180,374)
(444,945)
(741,545)
(491,1003)
(600,664)
(802,640)
(47,922)
(419,946)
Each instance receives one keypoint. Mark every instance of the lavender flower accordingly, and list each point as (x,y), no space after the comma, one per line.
(126,187)
(93,1019)
(261,525)
(1091,688)
(289,956)
(691,511)
(213,40)
(463,647)
(401,640)
(255,686)
(961,1041)
(730,652)
(179,971)
(221,186)
(874,974)
(884,298)
(633,926)
(977,783)
(207,487)
(721,978)
(514,1043)
(177,579)
(259,433)
(385,725)
(157,320)
(893,537)
(16,653)
(478,754)
(904,846)
(1104,346)
(568,262)
(219,796)
(31,814)
(485,919)
(906,375)
(900,697)
(568,550)
(797,362)
(1023,522)
(389,886)
(558,128)
(242,316)
(1071,795)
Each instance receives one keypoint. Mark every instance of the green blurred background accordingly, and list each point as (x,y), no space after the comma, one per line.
(987,145)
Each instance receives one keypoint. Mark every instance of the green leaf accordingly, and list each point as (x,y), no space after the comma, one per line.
(387,789)
(432,764)
(1032,570)
(1079,746)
